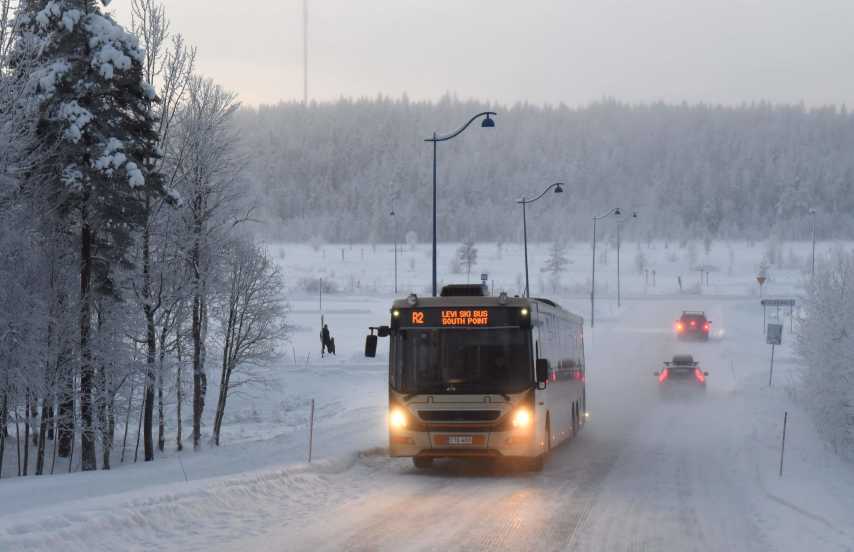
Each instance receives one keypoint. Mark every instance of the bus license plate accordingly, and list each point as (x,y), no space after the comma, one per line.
(459,439)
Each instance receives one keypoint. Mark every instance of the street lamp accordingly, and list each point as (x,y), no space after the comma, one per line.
(616,212)
(523,202)
(394,231)
(812,270)
(487,123)
(619,226)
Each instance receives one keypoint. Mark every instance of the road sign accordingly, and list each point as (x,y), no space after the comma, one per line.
(774,336)
(778,302)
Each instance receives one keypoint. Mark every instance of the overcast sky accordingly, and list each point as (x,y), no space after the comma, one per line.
(572,51)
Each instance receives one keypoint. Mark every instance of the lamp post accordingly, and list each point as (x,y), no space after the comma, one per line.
(615,211)
(619,226)
(487,123)
(394,231)
(812,270)
(524,202)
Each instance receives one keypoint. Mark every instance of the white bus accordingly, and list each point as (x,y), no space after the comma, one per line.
(472,375)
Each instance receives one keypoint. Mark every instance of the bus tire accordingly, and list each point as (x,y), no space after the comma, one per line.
(574,421)
(422,463)
(537,463)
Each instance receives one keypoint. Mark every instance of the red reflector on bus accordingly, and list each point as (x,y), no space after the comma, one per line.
(662,376)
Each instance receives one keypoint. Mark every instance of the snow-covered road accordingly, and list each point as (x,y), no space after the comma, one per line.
(645,474)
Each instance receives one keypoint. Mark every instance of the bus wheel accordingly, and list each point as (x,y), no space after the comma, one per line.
(537,463)
(422,463)
(574,427)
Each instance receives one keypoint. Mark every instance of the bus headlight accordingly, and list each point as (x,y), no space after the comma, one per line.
(522,418)
(397,418)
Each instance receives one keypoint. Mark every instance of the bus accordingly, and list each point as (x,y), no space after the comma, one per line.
(473,375)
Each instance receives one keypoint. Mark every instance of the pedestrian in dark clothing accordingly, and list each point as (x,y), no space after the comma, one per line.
(325,339)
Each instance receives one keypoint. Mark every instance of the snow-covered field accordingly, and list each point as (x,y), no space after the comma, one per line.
(644,475)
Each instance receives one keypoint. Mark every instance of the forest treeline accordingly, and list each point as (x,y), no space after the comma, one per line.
(334,171)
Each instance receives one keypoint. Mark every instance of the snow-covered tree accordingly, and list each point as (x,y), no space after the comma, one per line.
(95,108)
(467,256)
(208,171)
(825,342)
(556,263)
(250,317)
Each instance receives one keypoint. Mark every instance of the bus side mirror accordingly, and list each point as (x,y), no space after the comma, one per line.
(371,346)
(542,370)
(384,331)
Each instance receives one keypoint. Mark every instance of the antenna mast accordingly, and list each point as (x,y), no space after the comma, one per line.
(305,52)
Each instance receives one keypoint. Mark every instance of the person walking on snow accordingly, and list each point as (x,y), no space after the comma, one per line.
(325,340)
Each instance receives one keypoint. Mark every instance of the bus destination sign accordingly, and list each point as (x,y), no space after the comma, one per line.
(456,317)
(465,317)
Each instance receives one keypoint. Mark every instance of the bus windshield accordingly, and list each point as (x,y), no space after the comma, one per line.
(434,360)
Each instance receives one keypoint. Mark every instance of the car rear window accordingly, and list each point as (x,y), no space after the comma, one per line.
(694,317)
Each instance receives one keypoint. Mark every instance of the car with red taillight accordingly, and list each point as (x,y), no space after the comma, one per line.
(681,374)
(693,325)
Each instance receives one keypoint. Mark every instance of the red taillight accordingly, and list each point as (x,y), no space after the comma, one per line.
(693,323)
(699,375)
(662,376)
(679,326)
(706,326)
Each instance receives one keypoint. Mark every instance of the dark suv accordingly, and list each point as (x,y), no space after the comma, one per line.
(693,325)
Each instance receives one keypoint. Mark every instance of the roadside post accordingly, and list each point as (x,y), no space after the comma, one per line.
(773,337)
(783,444)
(310,431)
(761,281)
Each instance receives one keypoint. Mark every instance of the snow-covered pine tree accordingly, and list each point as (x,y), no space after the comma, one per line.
(96,110)
(556,263)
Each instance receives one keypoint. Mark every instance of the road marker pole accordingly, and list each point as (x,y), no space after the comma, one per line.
(771,372)
(310,431)
(783,445)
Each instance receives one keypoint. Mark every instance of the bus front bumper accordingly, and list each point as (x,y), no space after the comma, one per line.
(456,444)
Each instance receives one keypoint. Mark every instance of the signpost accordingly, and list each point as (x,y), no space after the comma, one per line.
(773,337)
(779,303)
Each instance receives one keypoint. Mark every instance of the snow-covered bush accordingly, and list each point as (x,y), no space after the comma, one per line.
(825,342)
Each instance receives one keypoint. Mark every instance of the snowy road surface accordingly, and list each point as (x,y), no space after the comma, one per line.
(645,475)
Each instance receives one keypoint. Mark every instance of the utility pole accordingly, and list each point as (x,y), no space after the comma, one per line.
(619,294)
(305,52)
(812,264)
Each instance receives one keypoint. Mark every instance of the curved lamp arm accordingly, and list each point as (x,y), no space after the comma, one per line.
(614,211)
(526,201)
(444,137)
